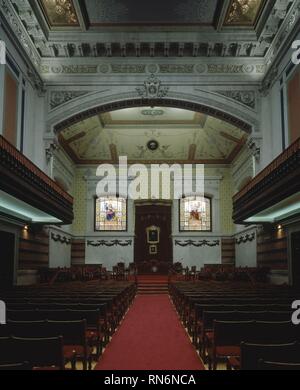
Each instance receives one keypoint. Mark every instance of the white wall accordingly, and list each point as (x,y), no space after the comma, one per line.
(246,253)
(59,252)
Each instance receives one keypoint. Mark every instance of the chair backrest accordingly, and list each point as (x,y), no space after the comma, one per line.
(40,352)
(210,316)
(6,352)
(229,333)
(252,353)
(281,366)
(73,332)
(22,315)
(274,332)
(29,329)
(16,367)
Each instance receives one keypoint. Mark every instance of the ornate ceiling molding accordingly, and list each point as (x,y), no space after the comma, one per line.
(152,88)
(244,12)
(58,98)
(22,34)
(280,43)
(176,102)
(248,98)
(278,25)
(59,13)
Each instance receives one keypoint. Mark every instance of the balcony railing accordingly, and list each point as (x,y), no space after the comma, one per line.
(281,159)
(278,181)
(24,180)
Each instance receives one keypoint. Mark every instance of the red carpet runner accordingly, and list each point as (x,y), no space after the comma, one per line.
(151,337)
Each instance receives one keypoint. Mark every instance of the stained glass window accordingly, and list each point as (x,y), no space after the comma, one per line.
(195,214)
(111,214)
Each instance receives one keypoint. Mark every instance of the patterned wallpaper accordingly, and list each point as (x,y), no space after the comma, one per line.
(79,224)
(226,206)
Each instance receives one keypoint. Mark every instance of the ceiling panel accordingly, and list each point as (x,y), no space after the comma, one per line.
(116,12)
(244,12)
(60,13)
(189,139)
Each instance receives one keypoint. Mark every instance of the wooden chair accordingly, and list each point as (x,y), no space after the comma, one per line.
(75,341)
(251,354)
(227,337)
(41,353)
(46,353)
(16,367)
(278,366)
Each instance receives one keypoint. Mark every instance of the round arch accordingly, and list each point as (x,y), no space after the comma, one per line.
(187,105)
(206,102)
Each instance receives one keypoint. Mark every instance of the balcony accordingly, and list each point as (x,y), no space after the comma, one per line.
(27,193)
(274,194)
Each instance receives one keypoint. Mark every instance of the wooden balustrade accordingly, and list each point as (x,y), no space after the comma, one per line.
(9,148)
(24,180)
(281,159)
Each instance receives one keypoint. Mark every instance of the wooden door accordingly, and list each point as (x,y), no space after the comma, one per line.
(153,215)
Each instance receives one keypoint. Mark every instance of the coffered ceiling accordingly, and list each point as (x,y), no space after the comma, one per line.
(134,28)
(175,135)
(79,41)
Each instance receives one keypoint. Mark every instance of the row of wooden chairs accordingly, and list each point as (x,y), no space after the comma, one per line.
(72,333)
(221,316)
(209,317)
(253,355)
(17,353)
(226,337)
(83,315)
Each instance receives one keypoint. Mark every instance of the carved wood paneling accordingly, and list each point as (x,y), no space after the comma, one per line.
(78,252)
(228,251)
(272,249)
(33,250)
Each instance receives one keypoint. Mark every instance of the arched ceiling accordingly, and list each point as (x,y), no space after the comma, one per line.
(180,135)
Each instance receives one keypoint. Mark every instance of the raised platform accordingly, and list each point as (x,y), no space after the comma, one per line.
(152,284)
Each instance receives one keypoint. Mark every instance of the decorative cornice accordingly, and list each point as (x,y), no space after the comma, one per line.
(256,67)
(248,98)
(61,239)
(9,13)
(279,44)
(246,238)
(254,145)
(58,98)
(109,243)
(197,244)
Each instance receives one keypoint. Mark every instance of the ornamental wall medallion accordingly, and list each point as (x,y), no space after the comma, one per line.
(152,88)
